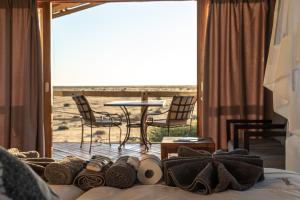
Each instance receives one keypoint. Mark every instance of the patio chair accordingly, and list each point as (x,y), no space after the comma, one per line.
(89,119)
(178,115)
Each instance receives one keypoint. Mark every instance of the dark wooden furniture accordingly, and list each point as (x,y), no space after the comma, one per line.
(252,128)
(171,144)
(133,124)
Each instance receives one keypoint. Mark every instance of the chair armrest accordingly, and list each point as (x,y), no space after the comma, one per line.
(117,115)
(248,134)
(238,127)
(101,113)
(155,114)
(240,121)
(109,115)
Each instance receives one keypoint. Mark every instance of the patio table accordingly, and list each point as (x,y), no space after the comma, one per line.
(141,124)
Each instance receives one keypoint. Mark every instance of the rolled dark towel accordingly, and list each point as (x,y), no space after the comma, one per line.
(87,179)
(37,169)
(63,172)
(121,174)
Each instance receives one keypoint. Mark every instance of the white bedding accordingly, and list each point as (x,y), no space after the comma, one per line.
(278,185)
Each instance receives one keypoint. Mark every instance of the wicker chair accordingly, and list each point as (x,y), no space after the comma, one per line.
(178,115)
(88,118)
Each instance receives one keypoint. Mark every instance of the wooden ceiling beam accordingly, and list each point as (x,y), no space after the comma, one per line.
(61,6)
(69,10)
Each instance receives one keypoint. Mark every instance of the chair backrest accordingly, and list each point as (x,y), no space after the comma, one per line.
(84,108)
(181,108)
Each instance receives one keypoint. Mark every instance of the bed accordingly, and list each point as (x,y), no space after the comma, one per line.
(278,185)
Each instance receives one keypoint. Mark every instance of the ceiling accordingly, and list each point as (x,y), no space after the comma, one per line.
(65,7)
(62,9)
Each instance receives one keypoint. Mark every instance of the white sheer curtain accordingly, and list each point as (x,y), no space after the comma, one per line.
(283,73)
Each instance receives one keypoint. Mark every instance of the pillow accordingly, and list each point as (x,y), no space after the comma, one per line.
(18,181)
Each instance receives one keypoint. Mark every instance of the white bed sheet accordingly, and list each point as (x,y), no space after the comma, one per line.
(278,185)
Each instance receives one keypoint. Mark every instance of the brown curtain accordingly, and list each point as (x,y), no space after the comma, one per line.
(21,84)
(235,54)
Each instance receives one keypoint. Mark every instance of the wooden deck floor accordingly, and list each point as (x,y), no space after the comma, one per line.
(63,149)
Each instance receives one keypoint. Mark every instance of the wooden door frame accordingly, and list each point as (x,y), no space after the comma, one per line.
(46,16)
(45,28)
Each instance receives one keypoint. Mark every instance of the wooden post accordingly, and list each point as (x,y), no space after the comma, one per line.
(46,52)
(144,97)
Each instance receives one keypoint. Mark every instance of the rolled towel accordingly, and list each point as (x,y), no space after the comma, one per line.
(39,161)
(38,165)
(15,152)
(98,162)
(134,162)
(149,171)
(26,154)
(39,169)
(31,154)
(87,179)
(63,172)
(121,174)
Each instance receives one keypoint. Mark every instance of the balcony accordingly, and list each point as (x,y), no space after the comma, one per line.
(67,124)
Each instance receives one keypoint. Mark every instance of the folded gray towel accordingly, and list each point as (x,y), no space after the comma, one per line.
(206,173)
(184,151)
(121,174)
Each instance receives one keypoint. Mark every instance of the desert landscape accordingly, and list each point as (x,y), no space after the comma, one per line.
(66,118)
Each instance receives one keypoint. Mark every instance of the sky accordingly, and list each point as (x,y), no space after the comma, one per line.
(151,43)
